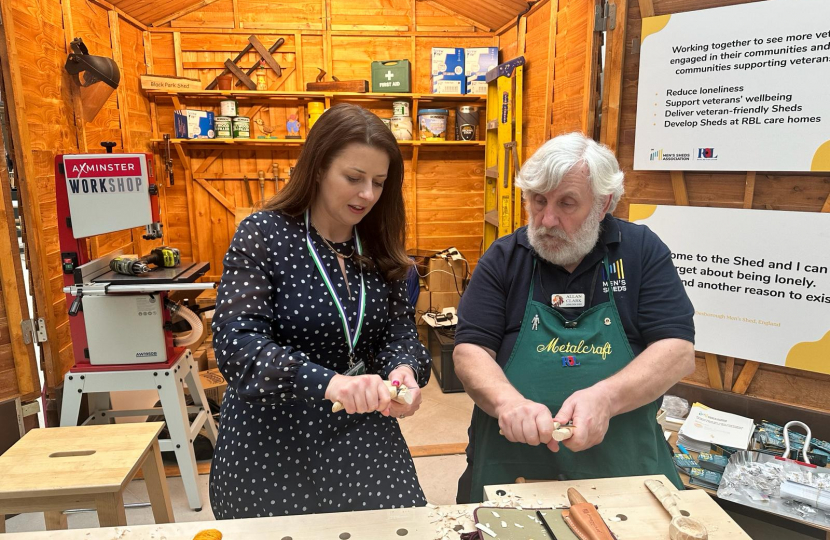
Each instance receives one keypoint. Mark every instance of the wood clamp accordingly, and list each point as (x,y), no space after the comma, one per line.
(244,76)
(560,432)
(399,394)
(584,520)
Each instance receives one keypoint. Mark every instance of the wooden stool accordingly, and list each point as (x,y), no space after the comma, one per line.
(56,469)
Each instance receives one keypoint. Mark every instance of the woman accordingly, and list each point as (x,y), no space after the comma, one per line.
(311,297)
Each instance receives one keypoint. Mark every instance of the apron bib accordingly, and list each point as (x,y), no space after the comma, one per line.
(553,358)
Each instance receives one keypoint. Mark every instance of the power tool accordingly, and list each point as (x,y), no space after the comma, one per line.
(164,256)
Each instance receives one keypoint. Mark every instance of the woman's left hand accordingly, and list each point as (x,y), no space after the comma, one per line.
(406,376)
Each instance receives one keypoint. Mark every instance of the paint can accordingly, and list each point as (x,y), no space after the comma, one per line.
(315,110)
(228,107)
(387,122)
(400,108)
(466,123)
(401,127)
(222,127)
(241,127)
(432,124)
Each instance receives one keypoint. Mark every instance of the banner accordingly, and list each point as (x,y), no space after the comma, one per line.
(759,280)
(737,88)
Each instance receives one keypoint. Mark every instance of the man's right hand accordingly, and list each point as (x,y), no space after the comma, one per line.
(526,421)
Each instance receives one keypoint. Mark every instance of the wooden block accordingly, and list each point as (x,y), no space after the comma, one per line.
(168,82)
(445,276)
(338,86)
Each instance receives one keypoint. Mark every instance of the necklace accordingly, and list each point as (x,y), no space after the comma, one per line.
(326,242)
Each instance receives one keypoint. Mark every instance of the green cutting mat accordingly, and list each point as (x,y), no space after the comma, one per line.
(530,528)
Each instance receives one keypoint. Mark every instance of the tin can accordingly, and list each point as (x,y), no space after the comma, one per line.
(466,123)
(387,122)
(315,110)
(241,127)
(401,127)
(222,127)
(400,108)
(228,107)
(432,124)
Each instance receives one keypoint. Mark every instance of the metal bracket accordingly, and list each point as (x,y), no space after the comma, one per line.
(34,331)
(605,17)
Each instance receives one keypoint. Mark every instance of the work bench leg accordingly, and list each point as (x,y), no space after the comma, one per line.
(55,520)
(111,511)
(178,424)
(156,481)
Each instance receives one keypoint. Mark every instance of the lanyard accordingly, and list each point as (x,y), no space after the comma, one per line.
(350,340)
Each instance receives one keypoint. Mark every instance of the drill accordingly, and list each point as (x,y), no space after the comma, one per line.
(163,256)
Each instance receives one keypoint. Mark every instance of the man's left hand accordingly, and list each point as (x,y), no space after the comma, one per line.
(590,411)
(406,376)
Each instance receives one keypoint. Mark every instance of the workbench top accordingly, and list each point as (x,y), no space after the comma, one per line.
(644,519)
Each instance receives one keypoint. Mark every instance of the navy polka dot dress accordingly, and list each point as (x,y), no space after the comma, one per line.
(278,341)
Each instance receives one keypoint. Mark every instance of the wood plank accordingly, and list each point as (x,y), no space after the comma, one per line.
(236,14)
(210,160)
(646,8)
(729,374)
(713,367)
(188,182)
(177,54)
(216,195)
(432,450)
(189,9)
(468,20)
(613,78)
(745,378)
(153,472)
(749,190)
(121,91)
(681,196)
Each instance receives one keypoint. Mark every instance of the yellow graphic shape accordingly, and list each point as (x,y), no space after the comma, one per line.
(639,212)
(652,25)
(821,159)
(811,355)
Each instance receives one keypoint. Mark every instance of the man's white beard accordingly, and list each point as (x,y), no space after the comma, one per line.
(555,246)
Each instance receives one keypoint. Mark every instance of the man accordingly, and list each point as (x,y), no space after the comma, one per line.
(622,335)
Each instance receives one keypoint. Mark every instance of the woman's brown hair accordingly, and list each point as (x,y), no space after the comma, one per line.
(383,230)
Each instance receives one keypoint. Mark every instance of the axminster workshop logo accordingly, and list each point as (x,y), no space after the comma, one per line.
(614,275)
(557,348)
(104,175)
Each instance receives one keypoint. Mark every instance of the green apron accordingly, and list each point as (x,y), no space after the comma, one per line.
(553,358)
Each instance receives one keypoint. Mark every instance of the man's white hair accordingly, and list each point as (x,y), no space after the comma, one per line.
(545,169)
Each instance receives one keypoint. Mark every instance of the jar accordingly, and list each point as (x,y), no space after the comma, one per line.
(432,124)
(401,127)
(466,123)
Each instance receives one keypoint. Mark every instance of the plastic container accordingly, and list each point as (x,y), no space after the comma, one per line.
(241,127)
(432,124)
(315,109)
(401,127)
(466,123)
(222,127)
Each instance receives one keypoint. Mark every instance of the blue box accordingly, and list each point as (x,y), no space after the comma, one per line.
(448,70)
(477,62)
(191,124)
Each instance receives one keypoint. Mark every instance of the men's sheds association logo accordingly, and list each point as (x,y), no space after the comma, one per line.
(660,155)
(614,274)
(706,154)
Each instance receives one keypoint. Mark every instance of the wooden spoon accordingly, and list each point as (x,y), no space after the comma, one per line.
(681,527)
(400,394)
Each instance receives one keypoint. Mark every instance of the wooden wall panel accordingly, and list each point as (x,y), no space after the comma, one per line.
(429,16)
(164,62)
(382,14)
(570,65)
(772,191)
(352,56)
(295,14)
(536,99)
(216,15)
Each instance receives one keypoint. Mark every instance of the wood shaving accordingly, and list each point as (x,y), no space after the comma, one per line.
(485,529)
(503,524)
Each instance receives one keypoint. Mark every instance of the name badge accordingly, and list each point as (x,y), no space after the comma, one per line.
(567,300)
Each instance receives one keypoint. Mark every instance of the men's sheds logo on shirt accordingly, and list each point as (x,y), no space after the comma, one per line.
(557,348)
(614,274)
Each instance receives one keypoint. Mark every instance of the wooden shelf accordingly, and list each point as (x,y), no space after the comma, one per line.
(252,95)
(217,143)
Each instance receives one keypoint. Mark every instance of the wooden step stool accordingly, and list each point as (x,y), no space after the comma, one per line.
(55,469)
(169,381)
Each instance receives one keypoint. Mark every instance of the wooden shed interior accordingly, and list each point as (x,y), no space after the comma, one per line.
(577,77)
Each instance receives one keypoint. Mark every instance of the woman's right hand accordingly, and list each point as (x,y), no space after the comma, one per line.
(359,394)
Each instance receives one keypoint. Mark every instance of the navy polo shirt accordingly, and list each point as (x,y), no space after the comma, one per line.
(649,295)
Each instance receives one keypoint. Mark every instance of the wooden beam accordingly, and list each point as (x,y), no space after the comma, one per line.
(646,8)
(729,374)
(126,16)
(216,195)
(678,182)
(589,96)
(551,67)
(236,23)
(613,79)
(182,12)
(747,373)
(298,61)
(177,53)
(522,36)
(188,186)
(457,15)
(77,107)
(121,92)
(147,38)
(207,162)
(749,189)
(713,368)
(327,52)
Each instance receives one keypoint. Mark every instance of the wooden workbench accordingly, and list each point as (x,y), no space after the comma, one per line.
(645,518)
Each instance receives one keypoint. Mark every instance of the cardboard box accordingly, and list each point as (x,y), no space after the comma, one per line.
(391,76)
(422,306)
(200,357)
(213,384)
(211,358)
(477,62)
(441,300)
(190,124)
(448,70)
(440,276)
